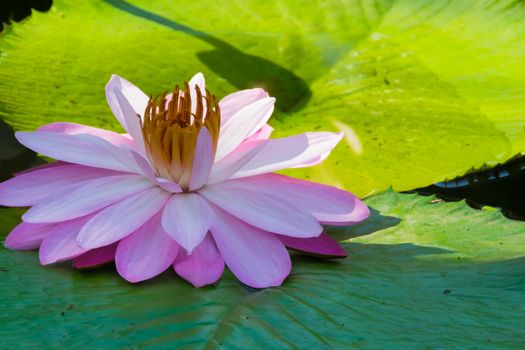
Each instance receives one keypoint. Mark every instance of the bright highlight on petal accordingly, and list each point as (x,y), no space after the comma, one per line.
(189,186)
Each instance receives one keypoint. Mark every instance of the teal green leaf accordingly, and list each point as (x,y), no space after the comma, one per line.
(421,274)
(435,87)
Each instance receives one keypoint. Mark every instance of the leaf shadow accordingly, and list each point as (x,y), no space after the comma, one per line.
(13,156)
(375,222)
(238,68)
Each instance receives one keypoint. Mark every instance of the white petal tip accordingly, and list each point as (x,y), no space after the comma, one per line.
(46,261)
(199,75)
(28,217)
(20,135)
(84,244)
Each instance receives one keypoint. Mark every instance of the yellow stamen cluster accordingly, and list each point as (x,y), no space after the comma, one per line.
(170,127)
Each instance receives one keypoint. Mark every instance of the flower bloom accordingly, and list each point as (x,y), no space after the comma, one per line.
(190,186)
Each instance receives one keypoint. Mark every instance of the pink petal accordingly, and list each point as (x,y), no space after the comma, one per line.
(61,243)
(322,245)
(238,100)
(122,155)
(131,117)
(79,148)
(146,169)
(243,124)
(75,129)
(289,152)
(133,95)
(328,204)
(204,266)
(87,197)
(122,218)
(31,187)
(146,253)
(272,212)
(313,161)
(187,218)
(168,185)
(258,259)
(203,160)
(41,167)
(96,257)
(26,236)
(262,135)
(234,161)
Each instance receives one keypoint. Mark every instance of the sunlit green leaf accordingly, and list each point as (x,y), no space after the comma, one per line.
(424,90)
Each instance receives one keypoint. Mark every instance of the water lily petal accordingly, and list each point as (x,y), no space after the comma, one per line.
(75,129)
(234,102)
(202,160)
(136,99)
(61,243)
(87,197)
(133,119)
(187,218)
(273,212)
(204,266)
(53,164)
(146,253)
(31,187)
(328,204)
(124,142)
(243,124)
(96,257)
(122,218)
(294,151)
(197,80)
(26,236)
(234,161)
(145,168)
(262,135)
(322,245)
(257,258)
(81,149)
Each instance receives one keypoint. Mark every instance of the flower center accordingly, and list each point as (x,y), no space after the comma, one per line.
(170,127)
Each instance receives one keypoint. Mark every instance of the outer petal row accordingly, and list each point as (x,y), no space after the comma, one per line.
(327,204)
(146,252)
(258,258)
(83,149)
(31,187)
(85,198)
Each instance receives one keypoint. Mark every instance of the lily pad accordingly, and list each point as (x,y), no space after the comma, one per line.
(424,91)
(421,273)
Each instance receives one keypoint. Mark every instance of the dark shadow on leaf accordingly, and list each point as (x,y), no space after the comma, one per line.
(13,156)
(377,252)
(240,69)
(375,222)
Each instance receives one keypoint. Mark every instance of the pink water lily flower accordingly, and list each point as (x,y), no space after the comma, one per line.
(191,185)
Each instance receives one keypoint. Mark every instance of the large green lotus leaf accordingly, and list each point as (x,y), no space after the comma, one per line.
(424,90)
(421,274)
